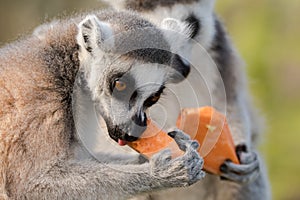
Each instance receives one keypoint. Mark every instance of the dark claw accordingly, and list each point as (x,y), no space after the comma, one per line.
(183,140)
(240,149)
(172,134)
(224,179)
(224,168)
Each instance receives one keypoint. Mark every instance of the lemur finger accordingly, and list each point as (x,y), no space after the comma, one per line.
(240,178)
(247,158)
(229,166)
(195,172)
(192,154)
(198,166)
(192,145)
(198,176)
(201,175)
(181,139)
(179,134)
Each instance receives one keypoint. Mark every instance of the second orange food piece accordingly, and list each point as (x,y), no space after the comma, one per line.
(205,125)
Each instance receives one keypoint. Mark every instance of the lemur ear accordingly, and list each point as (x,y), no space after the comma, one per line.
(176,25)
(176,32)
(94,35)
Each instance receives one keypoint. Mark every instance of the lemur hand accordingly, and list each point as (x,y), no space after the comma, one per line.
(181,171)
(245,172)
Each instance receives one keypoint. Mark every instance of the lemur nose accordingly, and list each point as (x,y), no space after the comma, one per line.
(140,119)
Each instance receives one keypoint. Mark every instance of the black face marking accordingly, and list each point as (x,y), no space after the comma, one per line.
(140,120)
(182,68)
(194,24)
(151,55)
(133,99)
(150,101)
(126,94)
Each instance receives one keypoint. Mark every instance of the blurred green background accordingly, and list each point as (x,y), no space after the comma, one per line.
(267,34)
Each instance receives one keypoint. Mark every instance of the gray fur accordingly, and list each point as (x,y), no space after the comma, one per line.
(249,179)
(41,157)
(148,5)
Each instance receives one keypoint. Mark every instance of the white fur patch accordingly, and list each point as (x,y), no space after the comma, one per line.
(176,32)
(149,77)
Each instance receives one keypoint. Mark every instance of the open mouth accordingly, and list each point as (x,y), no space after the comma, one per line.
(125,133)
(119,136)
(126,138)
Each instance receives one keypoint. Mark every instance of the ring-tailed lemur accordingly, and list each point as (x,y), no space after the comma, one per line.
(40,155)
(249,178)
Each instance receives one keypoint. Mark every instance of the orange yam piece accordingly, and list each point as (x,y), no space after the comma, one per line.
(211,130)
(205,125)
(154,140)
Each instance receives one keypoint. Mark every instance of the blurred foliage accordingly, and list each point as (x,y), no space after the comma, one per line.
(19,17)
(266,32)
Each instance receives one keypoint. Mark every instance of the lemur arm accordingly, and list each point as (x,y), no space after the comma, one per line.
(69,179)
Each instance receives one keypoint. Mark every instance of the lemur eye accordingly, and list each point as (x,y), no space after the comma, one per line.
(119,85)
(155,97)
(152,99)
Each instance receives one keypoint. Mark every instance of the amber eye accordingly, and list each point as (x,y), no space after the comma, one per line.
(155,97)
(119,85)
(152,100)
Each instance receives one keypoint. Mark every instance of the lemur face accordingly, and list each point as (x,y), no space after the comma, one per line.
(128,95)
(125,83)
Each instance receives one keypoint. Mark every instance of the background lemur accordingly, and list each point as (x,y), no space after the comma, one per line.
(40,155)
(249,178)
